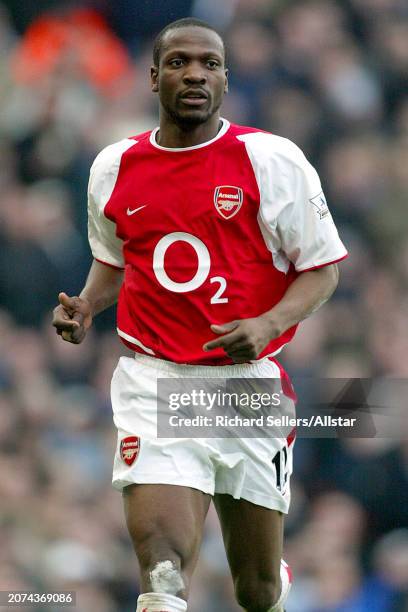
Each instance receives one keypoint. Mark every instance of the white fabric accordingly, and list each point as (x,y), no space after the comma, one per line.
(160,602)
(294,219)
(105,245)
(135,341)
(241,467)
(224,129)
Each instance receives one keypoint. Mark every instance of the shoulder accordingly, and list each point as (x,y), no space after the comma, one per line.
(108,159)
(264,147)
(105,170)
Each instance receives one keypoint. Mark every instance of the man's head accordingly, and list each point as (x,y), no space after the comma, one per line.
(189,71)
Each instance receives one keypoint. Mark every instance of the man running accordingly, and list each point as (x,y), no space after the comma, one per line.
(216,241)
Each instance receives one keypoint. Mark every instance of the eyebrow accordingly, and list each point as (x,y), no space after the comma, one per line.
(183,53)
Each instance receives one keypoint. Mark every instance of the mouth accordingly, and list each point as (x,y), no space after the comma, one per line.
(194,97)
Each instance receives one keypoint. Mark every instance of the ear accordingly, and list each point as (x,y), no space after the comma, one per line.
(226,81)
(154,78)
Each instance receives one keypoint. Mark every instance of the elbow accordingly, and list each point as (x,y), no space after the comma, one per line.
(332,273)
(335,275)
(329,279)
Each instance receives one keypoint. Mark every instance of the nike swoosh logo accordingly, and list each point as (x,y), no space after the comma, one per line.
(132,212)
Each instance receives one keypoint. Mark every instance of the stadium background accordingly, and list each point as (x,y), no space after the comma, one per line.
(332,76)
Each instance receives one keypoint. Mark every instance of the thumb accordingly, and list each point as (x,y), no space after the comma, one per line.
(225,327)
(67,302)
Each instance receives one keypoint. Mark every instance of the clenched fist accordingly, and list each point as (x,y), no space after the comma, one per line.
(72,318)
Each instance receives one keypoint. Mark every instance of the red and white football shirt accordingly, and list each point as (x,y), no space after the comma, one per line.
(206,234)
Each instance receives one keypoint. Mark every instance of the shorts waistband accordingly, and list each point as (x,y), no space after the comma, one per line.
(244,370)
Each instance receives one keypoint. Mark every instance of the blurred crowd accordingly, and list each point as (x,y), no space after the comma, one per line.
(331,76)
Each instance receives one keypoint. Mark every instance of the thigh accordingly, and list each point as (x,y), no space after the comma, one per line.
(165,523)
(253,538)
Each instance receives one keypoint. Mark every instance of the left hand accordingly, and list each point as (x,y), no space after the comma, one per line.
(243,339)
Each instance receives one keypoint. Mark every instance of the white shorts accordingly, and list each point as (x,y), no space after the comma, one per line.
(245,468)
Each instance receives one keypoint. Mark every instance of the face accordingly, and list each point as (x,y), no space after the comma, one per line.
(191,78)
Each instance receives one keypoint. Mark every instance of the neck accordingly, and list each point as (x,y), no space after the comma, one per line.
(173,135)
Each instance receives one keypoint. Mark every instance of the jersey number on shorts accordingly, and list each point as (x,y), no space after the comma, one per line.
(280,461)
(203,269)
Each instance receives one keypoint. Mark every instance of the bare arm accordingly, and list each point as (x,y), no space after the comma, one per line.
(245,339)
(304,296)
(73,316)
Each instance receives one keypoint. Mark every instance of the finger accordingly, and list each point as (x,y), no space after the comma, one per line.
(78,317)
(239,354)
(78,334)
(239,358)
(67,302)
(65,324)
(224,341)
(239,351)
(239,345)
(66,335)
(74,336)
(60,312)
(227,339)
(224,328)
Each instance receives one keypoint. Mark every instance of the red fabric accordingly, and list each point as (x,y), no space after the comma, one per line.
(177,191)
(329,263)
(105,263)
(291,437)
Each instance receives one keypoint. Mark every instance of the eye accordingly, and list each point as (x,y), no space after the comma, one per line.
(213,64)
(176,62)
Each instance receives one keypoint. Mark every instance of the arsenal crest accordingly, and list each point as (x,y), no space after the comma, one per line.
(228,200)
(129,449)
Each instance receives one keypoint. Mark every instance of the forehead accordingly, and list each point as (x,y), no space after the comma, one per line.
(193,39)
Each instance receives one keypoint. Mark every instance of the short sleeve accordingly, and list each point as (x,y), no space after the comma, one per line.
(306,230)
(105,245)
(294,218)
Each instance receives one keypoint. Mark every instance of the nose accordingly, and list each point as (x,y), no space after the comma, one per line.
(195,73)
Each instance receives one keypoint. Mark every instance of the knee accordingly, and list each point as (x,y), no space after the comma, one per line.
(162,567)
(153,550)
(165,576)
(155,547)
(257,595)
(162,572)
(159,558)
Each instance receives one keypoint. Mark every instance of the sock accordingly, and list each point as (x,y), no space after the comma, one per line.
(160,602)
(286,579)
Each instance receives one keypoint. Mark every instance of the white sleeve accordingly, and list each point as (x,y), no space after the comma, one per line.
(296,219)
(105,244)
(305,226)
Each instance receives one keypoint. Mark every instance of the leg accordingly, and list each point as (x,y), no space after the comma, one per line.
(165,523)
(253,537)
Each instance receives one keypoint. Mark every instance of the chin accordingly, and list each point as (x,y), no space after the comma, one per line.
(193,118)
(190,117)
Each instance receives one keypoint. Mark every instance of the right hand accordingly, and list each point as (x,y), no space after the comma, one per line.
(72,318)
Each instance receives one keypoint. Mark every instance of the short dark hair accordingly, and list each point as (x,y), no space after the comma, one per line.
(174,25)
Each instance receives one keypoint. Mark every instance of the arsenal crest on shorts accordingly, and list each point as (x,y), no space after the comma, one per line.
(228,200)
(129,449)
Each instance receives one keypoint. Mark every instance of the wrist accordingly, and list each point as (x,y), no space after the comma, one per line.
(274,324)
(89,303)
